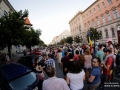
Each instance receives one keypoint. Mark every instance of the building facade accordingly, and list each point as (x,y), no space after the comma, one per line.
(64,34)
(57,39)
(103,15)
(5,7)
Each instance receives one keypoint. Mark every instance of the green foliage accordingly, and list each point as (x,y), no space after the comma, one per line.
(62,41)
(69,40)
(94,34)
(42,43)
(78,39)
(12,28)
(32,37)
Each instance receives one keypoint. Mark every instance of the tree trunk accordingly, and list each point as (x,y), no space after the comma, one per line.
(9,50)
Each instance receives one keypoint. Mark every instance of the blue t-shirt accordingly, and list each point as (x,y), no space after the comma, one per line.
(63,53)
(97,73)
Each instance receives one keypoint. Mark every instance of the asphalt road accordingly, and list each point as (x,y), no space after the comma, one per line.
(109,86)
(59,74)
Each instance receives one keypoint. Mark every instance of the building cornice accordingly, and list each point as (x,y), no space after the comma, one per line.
(9,5)
(79,12)
(90,6)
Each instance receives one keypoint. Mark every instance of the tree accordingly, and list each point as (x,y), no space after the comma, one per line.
(78,39)
(69,40)
(94,35)
(42,43)
(62,41)
(32,38)
(12,29)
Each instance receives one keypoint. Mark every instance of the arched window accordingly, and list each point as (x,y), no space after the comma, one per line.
(106,33)
(113,32)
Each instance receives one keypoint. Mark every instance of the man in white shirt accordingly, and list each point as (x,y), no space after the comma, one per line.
(54,83)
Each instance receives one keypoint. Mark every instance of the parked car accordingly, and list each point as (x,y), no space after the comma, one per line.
(36,52)
(29,61)
(15,76)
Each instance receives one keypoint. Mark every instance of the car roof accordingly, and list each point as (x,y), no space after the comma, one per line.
(13,70)
(31,55)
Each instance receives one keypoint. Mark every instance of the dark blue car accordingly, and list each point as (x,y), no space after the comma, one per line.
(15,76)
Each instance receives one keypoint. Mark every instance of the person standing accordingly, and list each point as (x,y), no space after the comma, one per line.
(100,53)
(95,74)
(59,56)
(54,83)
(64,61)
(107,64)
(75,76)
(50,61)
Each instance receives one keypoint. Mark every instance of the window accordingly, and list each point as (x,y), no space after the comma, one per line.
(106,32)
(104,5)
(90,13)
(99,7)
(103,19)
(94,10)
(93,23)
(98,21)
(113,32)
(109,1)
(109,17)
(115,13)
(4,13)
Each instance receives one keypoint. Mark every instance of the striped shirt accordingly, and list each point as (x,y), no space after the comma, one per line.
(55,83)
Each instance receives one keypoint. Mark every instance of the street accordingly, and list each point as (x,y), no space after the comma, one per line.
(59,74)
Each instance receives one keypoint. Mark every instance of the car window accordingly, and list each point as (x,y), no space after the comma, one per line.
(23,82)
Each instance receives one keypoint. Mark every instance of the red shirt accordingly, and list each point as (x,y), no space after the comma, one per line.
(108,62)
(76,57)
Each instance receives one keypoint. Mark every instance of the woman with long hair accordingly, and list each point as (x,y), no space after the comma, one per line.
(88,63)
(75,76)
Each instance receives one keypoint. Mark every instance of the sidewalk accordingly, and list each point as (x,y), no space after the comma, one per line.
(16,57)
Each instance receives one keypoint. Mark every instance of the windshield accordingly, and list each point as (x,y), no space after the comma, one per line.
(23,82)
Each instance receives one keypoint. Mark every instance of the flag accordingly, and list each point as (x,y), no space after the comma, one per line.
(90,42)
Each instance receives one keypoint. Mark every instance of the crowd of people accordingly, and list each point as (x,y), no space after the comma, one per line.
(79,66)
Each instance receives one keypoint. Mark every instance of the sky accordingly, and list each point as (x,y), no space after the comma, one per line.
(51,16)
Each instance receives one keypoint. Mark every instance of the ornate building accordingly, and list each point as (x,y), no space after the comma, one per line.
(103,15)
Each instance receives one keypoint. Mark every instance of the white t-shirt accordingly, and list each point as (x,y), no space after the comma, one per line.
(76,80)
